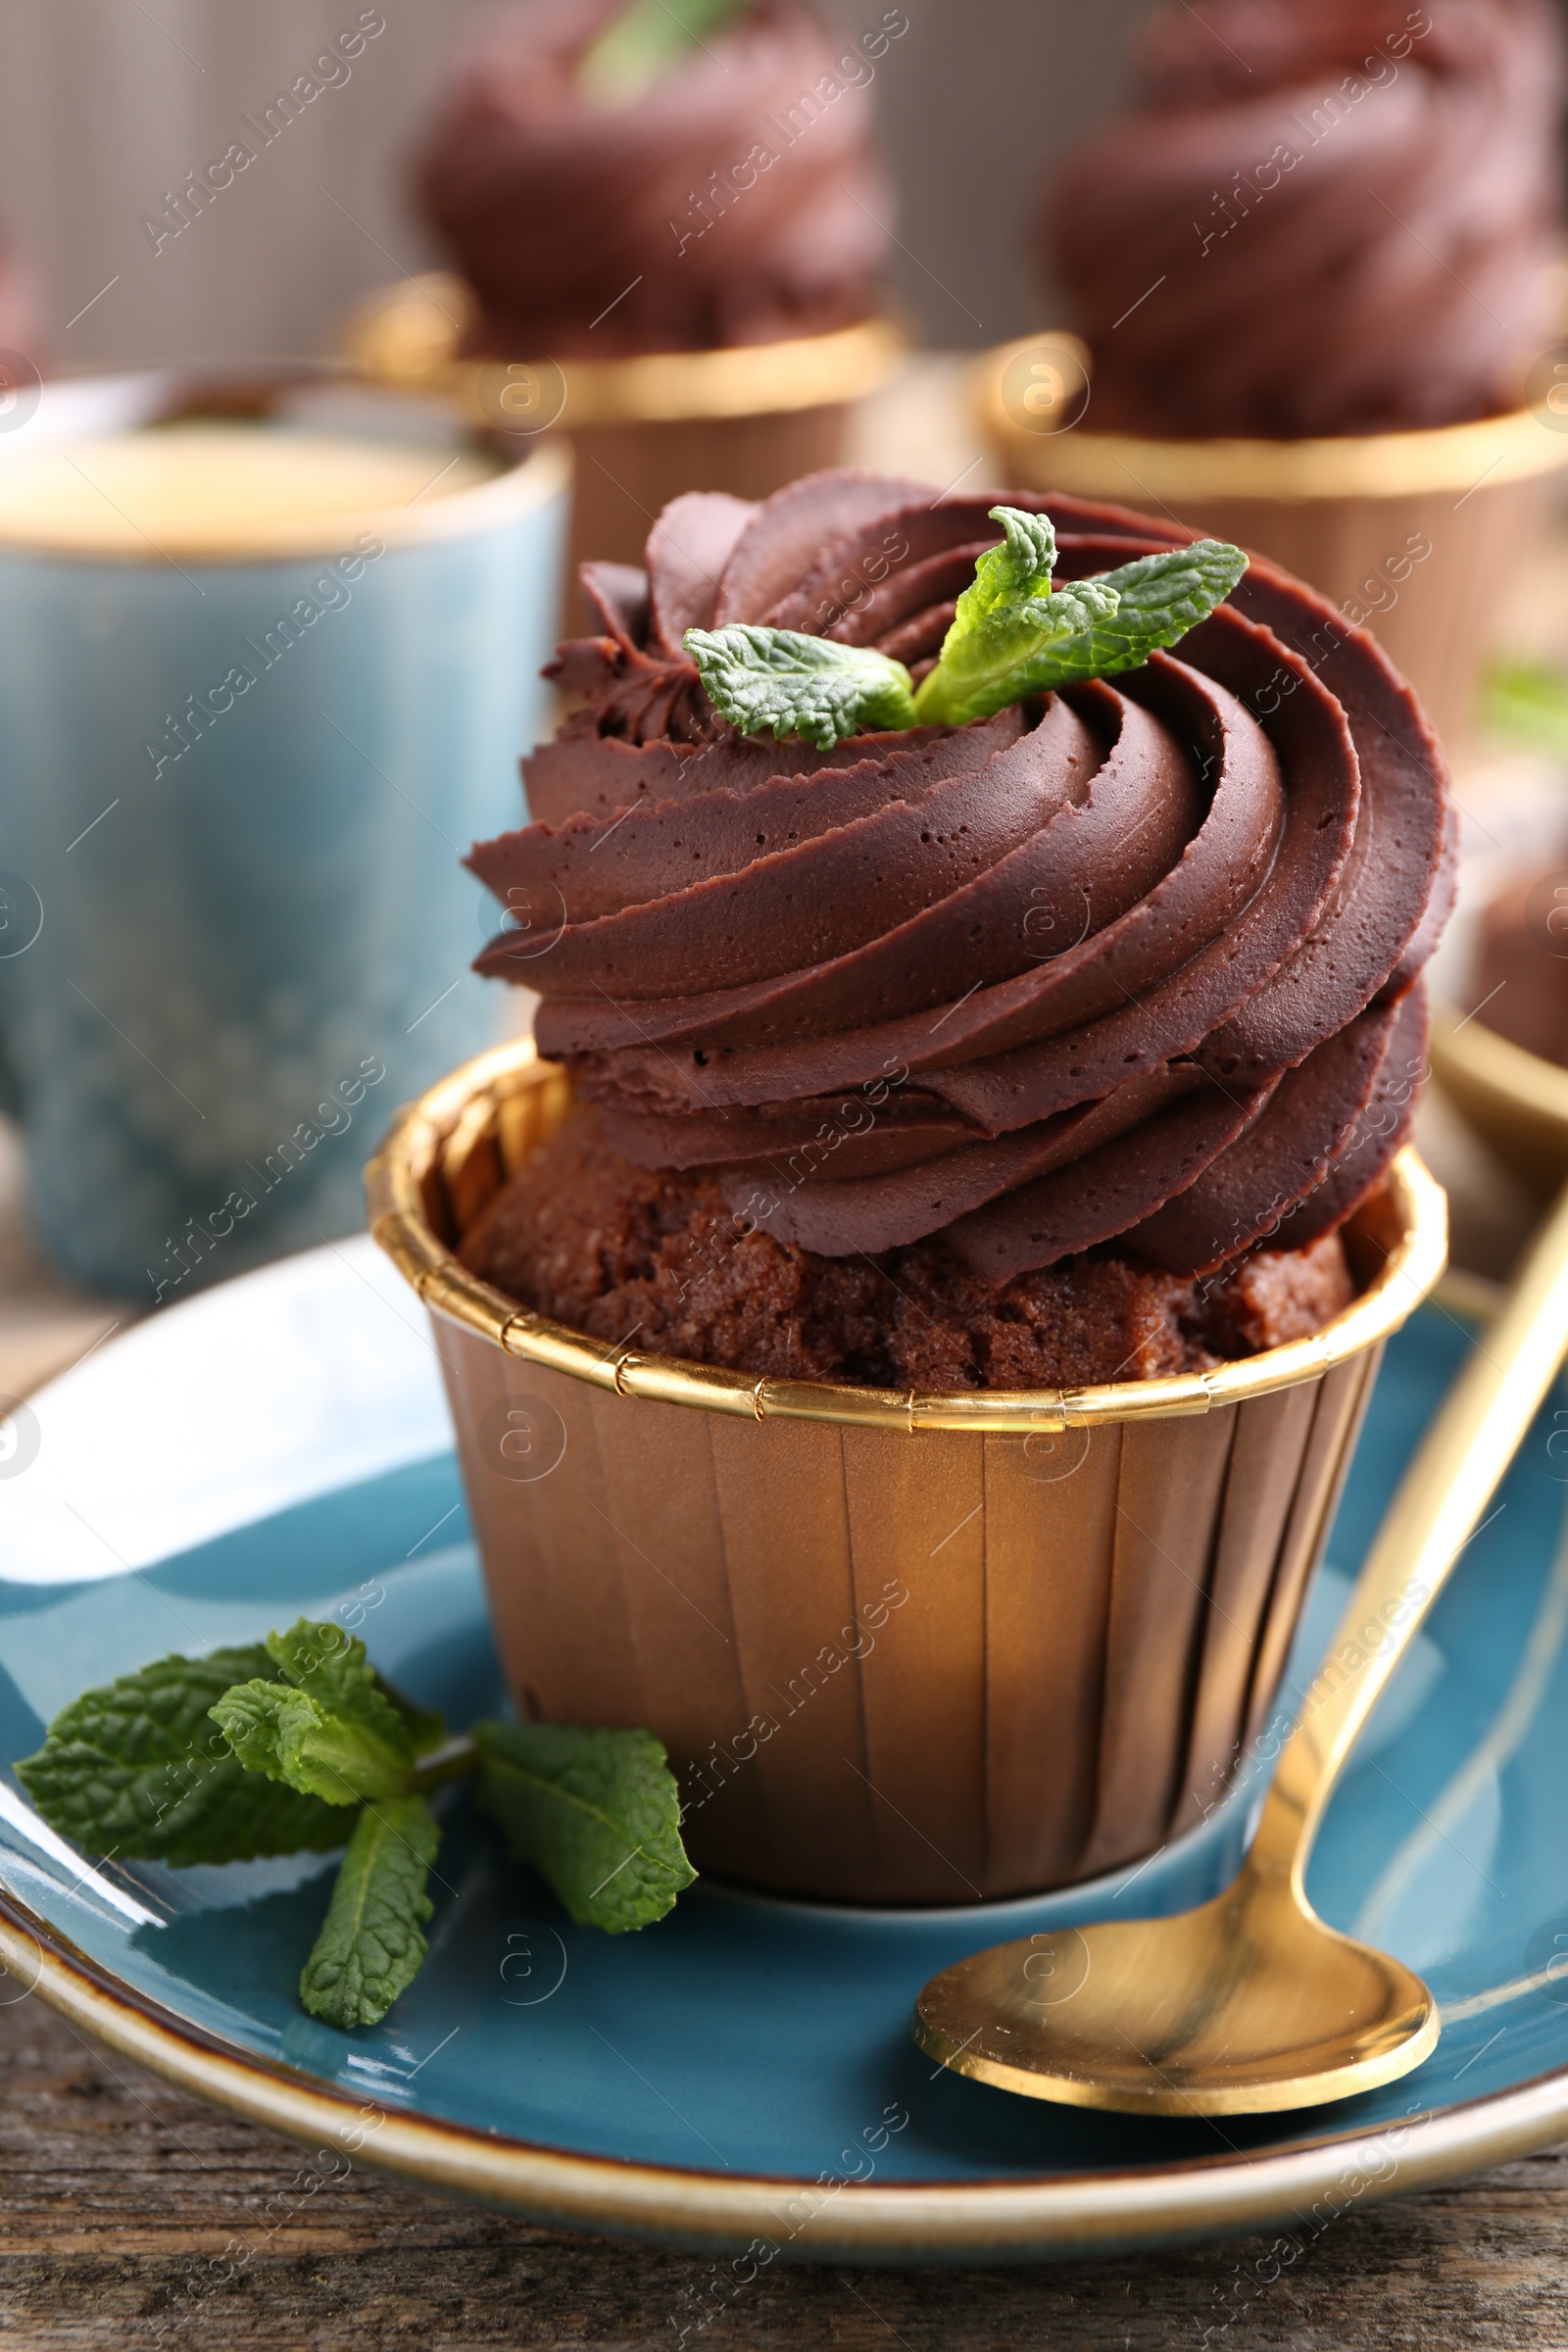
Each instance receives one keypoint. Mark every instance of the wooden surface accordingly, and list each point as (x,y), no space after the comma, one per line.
(133,2216)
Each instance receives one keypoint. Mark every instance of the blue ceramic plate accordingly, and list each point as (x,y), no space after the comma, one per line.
(739,2076)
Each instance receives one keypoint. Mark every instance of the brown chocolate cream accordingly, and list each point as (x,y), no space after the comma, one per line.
(1136,963)
(738,199)
(1333,218)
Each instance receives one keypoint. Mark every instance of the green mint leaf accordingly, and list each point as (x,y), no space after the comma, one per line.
(1012,573)
(597,1812)
(1001,621)
(424,1727)
(282,1732)
(1012,637)
(779,682)
(328,1664)
(643,42)
(135,1768)
(370,1947)
(1047,641)
(1159,598)
(1528,701)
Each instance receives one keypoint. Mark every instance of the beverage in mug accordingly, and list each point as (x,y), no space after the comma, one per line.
(269,651)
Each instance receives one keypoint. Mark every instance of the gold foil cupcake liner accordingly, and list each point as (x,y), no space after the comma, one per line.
(902,1647)
(450,1151)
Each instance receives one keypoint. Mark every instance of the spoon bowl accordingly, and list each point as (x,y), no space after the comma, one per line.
(1247,2004)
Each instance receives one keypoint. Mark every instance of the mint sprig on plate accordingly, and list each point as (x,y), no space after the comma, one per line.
(139,1769)
(1011,636)
(299,1744)
(329,1727)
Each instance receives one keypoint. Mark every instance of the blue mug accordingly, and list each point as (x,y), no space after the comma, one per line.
(237,776)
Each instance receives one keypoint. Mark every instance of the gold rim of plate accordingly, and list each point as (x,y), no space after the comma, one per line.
(721,2209)
(435,1138)
(1457,458)
(407,336)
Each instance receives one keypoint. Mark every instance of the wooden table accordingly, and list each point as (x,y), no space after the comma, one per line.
(133,2217)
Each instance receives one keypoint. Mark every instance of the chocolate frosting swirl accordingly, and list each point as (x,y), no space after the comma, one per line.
(1132,962)
(1332,218)
(737,200)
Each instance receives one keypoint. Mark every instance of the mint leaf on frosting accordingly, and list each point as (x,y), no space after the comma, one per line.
(370,1947)
(1011,636)
(136,1767)
(779,682)
(597,1812)
(1160,598)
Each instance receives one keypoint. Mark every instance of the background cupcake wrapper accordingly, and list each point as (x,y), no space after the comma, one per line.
(1426,572)
(627,472)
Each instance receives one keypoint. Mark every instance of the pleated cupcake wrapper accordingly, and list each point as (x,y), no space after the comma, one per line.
(900,1649)
(1347,515)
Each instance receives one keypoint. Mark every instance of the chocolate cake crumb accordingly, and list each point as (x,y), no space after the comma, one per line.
(653,1257)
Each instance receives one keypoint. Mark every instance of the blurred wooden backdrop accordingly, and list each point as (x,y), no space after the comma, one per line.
(106,104)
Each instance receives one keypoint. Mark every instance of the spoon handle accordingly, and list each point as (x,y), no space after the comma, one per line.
(1441,1498)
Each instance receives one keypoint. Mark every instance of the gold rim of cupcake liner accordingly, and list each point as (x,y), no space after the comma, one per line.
(475,1128)
(408,335)
(1459,458)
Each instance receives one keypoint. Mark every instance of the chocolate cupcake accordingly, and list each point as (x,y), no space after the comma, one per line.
(1312,267)
(726,194)
(988,1101)
(1349,211)
(670,227)
(1520,980)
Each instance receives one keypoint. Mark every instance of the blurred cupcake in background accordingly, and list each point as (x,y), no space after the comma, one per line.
(1315,270)
(668,223)
(1500,1036)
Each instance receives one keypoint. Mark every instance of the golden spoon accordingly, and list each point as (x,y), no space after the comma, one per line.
(1250,2003)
